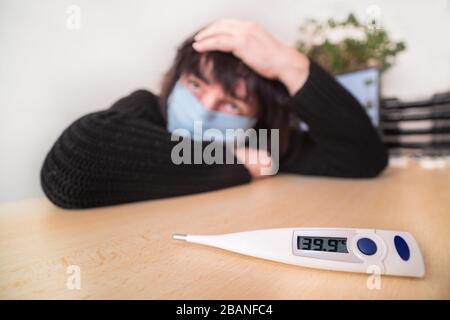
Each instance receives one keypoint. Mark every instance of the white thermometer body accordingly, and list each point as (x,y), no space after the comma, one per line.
(341,249)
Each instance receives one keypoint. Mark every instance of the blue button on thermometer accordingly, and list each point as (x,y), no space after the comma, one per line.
(341,249)
(402,248)
(367,246)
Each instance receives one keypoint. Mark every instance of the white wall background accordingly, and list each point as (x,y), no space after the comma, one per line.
(50,75)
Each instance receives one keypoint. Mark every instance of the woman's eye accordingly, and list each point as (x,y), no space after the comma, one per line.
(232,107)
(194,84)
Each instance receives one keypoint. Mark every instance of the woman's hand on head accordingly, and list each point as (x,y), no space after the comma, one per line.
(257,48)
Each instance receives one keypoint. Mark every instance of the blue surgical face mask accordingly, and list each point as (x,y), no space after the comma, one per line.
(183,108)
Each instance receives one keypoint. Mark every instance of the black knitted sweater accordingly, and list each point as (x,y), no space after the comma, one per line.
(123,154)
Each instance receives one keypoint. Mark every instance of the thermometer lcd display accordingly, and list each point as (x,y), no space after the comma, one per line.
(322,244)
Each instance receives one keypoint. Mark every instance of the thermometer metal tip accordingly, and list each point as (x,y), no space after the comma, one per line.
(179,236)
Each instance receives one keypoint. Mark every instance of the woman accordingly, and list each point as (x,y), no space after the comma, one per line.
(232,70)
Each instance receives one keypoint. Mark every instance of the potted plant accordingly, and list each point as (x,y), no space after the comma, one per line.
(356,53)
(348,45)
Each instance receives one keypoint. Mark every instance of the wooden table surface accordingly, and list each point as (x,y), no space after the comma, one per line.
(127,251)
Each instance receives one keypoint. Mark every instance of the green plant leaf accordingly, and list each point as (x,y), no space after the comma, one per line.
(349,53)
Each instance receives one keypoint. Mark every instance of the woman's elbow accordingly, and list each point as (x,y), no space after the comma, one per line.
(57,185)
(372,162)
(378,166)
(70,175)
(63,179)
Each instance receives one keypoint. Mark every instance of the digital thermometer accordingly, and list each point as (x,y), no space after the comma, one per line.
(341,249)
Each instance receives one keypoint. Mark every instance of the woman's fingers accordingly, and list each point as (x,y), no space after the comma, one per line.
(224,26)
(220,42)
(251,43)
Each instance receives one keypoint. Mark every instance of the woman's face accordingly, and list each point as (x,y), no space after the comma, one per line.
(213,96)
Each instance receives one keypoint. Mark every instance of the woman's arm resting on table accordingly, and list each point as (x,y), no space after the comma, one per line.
(123,154)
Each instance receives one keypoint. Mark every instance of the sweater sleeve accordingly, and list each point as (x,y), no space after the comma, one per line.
(341,141)
(123,154)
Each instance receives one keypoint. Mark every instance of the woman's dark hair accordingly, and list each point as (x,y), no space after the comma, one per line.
(270,95)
